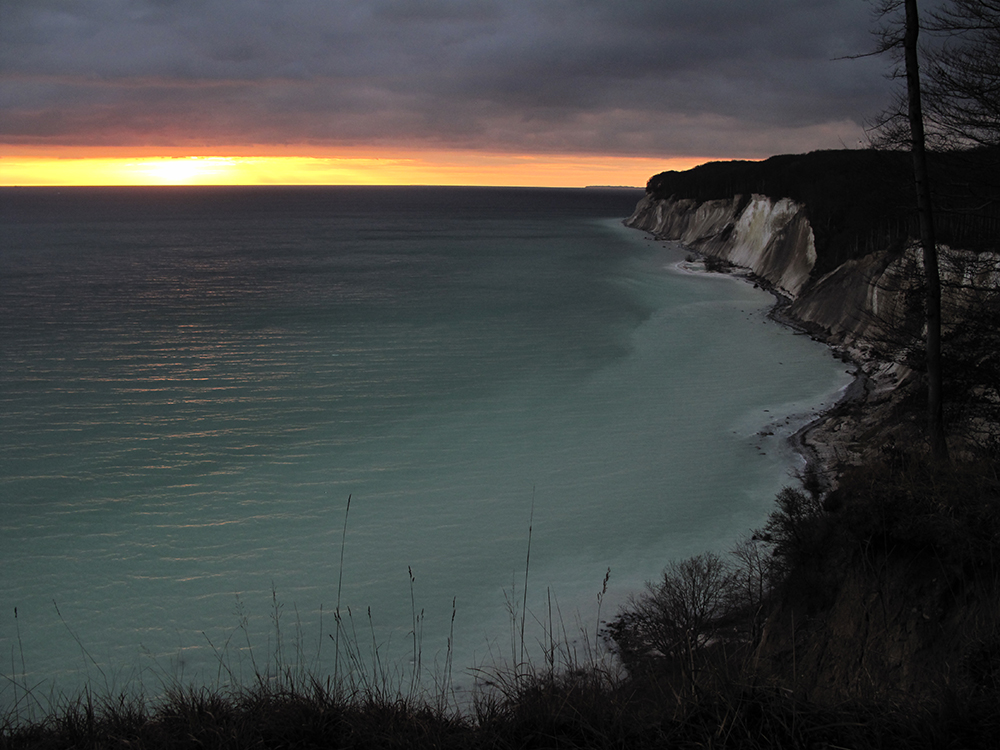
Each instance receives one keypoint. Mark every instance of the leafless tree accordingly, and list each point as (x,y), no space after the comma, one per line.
(903,34)
(756,574)
(962,81)
(677,616)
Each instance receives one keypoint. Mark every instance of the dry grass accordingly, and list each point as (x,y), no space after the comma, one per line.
(586,709)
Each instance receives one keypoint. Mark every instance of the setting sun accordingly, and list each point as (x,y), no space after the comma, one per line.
(185,171)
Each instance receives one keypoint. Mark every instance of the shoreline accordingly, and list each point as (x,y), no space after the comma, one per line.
(823,442)
(824,458)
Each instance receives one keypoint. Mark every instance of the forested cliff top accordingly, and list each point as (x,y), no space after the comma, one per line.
(857,200)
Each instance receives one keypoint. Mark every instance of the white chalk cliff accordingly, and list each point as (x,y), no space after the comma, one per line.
(771,238)
(865,308)
(856,305)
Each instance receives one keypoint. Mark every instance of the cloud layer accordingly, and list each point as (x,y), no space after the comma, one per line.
(640,78)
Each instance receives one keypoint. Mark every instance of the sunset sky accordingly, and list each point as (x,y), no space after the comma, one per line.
(508,92)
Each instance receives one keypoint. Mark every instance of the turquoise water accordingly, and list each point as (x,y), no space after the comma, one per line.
(195,381)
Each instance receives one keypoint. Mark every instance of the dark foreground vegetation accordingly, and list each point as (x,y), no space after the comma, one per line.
(581,711)
(868,620)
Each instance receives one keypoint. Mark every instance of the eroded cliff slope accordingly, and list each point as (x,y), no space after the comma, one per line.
(868,305)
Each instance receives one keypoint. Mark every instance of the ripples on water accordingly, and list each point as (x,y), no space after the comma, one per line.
(195,380)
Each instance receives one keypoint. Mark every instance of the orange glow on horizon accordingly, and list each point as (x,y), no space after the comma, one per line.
(41,167)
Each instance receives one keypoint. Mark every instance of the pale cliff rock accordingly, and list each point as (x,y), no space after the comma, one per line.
(867,304)
(772,238)
(865,307)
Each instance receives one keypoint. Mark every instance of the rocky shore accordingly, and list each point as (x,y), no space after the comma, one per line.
(830,233)
(859,309)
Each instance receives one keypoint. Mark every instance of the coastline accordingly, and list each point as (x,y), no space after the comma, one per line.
(825,442)
(857,304)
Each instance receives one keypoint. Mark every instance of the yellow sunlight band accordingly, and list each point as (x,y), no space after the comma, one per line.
(420,169)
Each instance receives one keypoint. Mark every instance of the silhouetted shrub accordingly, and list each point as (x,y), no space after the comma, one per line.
(794,530)
(679,615)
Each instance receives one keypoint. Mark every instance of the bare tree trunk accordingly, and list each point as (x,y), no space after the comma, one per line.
(935,412)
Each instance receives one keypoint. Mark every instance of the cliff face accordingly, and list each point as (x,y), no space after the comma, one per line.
(770,237)
(869,308)
(865,305)
(774,240)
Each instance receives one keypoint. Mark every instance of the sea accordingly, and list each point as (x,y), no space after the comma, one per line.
(403,435)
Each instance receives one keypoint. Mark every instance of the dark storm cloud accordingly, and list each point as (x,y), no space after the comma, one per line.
(641,77)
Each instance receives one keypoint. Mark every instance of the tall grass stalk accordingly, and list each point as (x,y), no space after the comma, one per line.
(86,654)
(600,601)
(276,607)
(13,668)
(527,565)
(340,588)
(417,633)
(443,702)
(244,625)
